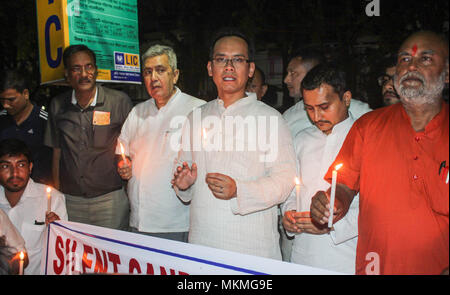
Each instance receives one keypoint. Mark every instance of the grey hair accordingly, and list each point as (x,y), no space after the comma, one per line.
(157,50)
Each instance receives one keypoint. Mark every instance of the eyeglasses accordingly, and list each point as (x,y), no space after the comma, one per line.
(236,61)
(89,68)
(384,79)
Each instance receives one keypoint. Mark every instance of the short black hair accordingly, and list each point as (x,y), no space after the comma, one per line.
(328,73)
(14,79)
(15,147)
(72,49)
(313,55)
(232,32)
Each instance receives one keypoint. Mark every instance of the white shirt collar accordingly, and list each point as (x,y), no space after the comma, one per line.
(251,97)
(169,103)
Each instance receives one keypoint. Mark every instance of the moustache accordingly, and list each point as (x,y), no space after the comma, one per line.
(322,121)
(413,75)
(390,93)
(12,178)
(84,80)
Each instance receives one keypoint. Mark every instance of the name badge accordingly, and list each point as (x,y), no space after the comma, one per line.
(101,118)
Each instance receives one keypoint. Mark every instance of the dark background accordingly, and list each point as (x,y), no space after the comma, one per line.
(340,28)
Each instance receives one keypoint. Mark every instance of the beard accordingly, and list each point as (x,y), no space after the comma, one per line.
(15,187)
(427,93)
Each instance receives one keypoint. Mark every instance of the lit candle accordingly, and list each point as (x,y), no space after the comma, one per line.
(333,194)
(297,193)
(49,200)
(122,150)
(21,256)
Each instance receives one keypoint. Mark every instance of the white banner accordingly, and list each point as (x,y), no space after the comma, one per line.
(76,248)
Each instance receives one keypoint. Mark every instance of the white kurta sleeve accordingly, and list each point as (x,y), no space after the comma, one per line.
(185,155)
(277,183)
(12,236)
(128,128)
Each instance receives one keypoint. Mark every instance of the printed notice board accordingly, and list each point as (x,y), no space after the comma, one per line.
(108,27)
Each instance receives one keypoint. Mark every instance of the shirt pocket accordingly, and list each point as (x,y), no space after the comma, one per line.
(33,235)
(438,198)
(105,136)
(171,143)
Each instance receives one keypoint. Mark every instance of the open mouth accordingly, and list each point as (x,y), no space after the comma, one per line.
(229,79)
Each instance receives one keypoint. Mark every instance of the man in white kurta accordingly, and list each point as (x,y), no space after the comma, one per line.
(28,216)
(242,167)
(150,137)
(147,135)
(247,223)
(315,152)
(326,101)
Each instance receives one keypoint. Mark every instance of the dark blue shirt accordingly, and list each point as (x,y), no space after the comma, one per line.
(31,131)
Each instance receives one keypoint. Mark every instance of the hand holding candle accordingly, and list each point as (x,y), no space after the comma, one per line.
(333,194)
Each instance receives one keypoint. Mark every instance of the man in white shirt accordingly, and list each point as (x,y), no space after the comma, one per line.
(326,100)
(296,116)
(234,181)
(25,202)
(147,136)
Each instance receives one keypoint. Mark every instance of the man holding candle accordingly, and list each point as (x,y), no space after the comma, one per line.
(326,100)
(234,206)
(83,127)
(25,201)
(147,137)
(394,158)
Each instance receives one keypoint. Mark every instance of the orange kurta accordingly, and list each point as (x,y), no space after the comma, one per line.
(404,201)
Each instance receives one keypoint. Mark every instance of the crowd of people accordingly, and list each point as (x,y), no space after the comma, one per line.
(222,173)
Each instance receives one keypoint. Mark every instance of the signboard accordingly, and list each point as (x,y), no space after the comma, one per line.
(108,27)
(76,248)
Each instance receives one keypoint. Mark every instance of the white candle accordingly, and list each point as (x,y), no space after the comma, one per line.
(49,200)
(21,256)
(333,194)
(297,193)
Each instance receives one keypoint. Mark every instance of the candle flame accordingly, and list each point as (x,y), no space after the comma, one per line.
(338,166)
(122,150)
(297,181)
(21,255)
(48,189)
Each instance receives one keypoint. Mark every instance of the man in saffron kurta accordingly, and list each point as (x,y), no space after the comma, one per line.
(397,158)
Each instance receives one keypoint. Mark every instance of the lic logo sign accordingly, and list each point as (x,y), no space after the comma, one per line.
(119,58)
(126,61)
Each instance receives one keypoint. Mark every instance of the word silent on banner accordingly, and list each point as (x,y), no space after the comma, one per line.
(76,248)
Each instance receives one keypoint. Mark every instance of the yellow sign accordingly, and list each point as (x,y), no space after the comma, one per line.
(109,28)
(53,38)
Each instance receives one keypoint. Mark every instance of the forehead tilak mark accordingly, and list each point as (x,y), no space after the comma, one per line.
(414,50)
